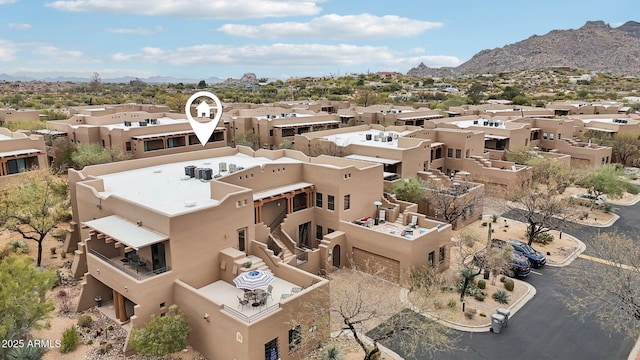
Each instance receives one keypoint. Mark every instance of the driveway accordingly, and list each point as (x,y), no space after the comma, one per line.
(543,328)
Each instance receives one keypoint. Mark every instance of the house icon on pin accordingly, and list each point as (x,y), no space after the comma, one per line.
(203,110)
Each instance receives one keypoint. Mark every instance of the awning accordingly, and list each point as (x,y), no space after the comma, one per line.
(279,190)
(495,137)
(20,152)
(311,123)
(436,144)
(373,159)
(126,231)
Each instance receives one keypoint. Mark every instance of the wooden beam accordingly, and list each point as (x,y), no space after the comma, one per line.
(100,236)
(118,245)
(109,240)
(128,249)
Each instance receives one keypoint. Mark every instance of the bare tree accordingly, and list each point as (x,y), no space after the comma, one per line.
(455,202)
(368,309)
(95,82)
(624,146)
(607,286)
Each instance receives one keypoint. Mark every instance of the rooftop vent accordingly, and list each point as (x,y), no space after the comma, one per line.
(190,204)
(190,170)
(142,123)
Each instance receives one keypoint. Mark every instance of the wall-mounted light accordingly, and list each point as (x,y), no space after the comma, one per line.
(126,288)
(206,316)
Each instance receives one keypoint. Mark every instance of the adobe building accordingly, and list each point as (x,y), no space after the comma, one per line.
(177,229)
(387,115)
(20,152)
(139,132)
(574,107)
(18,115)
(273,125)
(497,109)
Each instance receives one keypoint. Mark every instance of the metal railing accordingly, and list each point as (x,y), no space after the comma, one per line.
(130,272)
(253,317)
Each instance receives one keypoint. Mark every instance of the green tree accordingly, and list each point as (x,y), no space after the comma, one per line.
(33,206)
(247,139)
(15,125)
(202,84)
(475,92)
(606,180)
(411,190)
(23,302)
(162,335)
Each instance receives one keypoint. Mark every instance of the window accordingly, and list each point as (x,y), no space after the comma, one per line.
(271,132)
(193,140)
(151,145)
(442,255)
(330,202)
(15,166)
(216,136)
(458,153)
(294,339)
(526,142)
(128,145)
(544,135)
(438,153)
(449,153)
(551,136)
(432,257)
(559,136)
(318,232)
(329,231)
(271,350)
(242,235)
(318,199)
(347,202)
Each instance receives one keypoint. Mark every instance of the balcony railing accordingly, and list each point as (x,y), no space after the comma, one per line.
(131,272)
(254,317)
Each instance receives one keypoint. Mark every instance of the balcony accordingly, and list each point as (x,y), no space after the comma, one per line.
(135,271)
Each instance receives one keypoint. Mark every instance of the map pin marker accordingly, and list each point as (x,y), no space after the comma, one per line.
(205,128)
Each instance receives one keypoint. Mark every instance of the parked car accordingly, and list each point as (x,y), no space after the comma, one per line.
(518,266)
(588,199)
(535,257)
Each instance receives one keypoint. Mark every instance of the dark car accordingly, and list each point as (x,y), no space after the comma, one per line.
(518,266)
(535,257)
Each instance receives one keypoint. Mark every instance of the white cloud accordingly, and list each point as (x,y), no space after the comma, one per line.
(306,57)
(136,31)
(4,2)
(53,52)
(19,26)
(335,26)
(7,50)
(205,9)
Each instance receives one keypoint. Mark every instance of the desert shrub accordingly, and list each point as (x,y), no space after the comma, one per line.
(509,284)
(607,208)
(162,335)
(64,300)
(27,353)
(482,314)
(90,342)
(332,352)
(438,304)
(543,238)
(85,320)
(501,297)
(482,284)
(470,313)
(479,296)
(452,303)
(19,245)
(70,340)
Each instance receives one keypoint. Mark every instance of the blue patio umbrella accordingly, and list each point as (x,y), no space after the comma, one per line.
(254,279)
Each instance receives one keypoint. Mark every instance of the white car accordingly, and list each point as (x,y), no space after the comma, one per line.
(589,199)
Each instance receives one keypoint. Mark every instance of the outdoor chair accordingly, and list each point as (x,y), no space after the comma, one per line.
(284,296)
(295,290)
(242,302)
(269,290)
(414,221)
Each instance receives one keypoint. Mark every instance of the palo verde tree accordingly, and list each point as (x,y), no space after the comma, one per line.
(606,180)
(411,189)
(33,204)
(607,291)
(23,302)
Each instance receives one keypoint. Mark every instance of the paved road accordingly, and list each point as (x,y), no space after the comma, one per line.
(543,328)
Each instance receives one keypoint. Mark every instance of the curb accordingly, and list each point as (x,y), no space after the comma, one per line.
(514,307)
(607,224)
(581,248)
(635,352)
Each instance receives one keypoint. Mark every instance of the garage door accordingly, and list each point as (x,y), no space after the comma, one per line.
(378,265)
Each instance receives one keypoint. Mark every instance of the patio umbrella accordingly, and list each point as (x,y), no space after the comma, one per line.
(254,279)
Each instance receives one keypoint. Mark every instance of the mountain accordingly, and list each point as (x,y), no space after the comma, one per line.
(595,46)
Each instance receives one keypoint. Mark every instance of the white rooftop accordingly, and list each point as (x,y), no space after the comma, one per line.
(360,138)
(167,189)
(126,231)
(5,137)
(136,123)
(609,121)
(19,152)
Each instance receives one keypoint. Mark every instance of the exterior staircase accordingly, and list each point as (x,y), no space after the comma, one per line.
(276,235)
(257,263)
(400,219)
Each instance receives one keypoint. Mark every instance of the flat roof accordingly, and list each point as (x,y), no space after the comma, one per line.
(430,116)
(359,138)
(5,137)
(480,122)
(495,137)
(148,136)
(126,231)
(49,132)
(373,159)
(136,123)
(307,123)
(19,152)
(167,189)
(279,190)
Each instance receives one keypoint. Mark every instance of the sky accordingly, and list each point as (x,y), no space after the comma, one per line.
(198,39)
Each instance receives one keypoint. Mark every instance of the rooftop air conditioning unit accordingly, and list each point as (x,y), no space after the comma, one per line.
(206,174)
(222,166)
(154,121)
(127,123)
(142,123)
(368,137)
(384,139)
(376,137)
(233,168)
(475,122)
(389,138)
(190,170)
